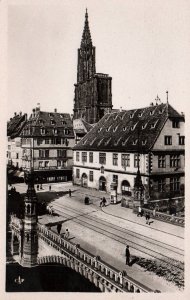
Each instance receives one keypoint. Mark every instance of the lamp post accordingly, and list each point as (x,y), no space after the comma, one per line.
(138,186)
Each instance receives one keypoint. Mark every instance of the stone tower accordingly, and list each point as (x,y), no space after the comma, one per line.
(93,96)
(30,235)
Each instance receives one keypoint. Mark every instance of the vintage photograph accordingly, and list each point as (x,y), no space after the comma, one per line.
(95,146)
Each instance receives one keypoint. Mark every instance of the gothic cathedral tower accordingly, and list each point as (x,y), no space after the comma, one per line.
(30,235)
(93,96)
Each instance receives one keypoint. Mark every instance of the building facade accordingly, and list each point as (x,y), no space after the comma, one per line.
(14,150)
(93,92)
(47,141)
(149,139)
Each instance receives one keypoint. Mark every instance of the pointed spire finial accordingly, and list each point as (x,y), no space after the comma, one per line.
(86,37)
(167,96)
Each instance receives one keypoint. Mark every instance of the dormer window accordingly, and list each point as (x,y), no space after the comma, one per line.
(63,123)
(107,142)
(117,142)
(124,128)
(144,142)
(115,129)
(135,141)
(140,113)
(84,142)
(92,141)
(152,112)
(55,131)
(52,122)
(124,142)
(50,115)
(153,125)
(99,129)
(144,126)
(131,115)
(108,129)
(100,142)
(161,111)
(133,127)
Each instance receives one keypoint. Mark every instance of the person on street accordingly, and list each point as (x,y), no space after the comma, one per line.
(59,228)
(50,188)
(69,193)
(37,187)
(103,202)
(139,211)
(67,234)
(40,186)
(127,254)
(148,218)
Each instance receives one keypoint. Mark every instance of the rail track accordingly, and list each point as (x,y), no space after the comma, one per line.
(137,241)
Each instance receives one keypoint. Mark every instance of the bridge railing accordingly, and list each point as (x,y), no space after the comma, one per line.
(165,217)
(74,251)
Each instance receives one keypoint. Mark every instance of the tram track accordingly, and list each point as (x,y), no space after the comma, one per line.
(117,236)
(127,231)
(107,213)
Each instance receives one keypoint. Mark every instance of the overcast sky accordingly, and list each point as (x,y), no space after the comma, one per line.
(142,44)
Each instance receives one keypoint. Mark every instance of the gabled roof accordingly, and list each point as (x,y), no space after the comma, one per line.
(45,124)
(87,125)
(16,124)
(130,130)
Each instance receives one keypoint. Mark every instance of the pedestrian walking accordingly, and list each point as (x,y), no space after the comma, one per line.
(139,211)
(41,186)
(50,188)
(154,212)
(127,254)
(59,226)
(148,218)
(70,193)
(103,202)
(37,187)
(67,234)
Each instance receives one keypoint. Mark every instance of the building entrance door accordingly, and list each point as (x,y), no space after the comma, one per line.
(84,180)
(102,184)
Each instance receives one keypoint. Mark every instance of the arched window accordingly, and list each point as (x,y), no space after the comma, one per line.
(125,188)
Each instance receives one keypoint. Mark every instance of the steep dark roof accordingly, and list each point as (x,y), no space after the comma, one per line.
(49,121)
(128,130)
(15,125)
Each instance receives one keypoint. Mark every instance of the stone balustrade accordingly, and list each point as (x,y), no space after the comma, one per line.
(165,217)
(106,277)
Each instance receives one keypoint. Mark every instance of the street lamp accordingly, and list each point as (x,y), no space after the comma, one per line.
(138,186)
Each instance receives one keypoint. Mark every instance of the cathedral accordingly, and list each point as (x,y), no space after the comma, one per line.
(93,94)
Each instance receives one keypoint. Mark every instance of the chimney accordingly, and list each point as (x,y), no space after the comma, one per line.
(34,112)
(120,108)
(55,110)
(20,113)
(38,107)
(15,114)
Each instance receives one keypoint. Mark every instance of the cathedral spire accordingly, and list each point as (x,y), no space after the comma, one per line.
(86,36)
